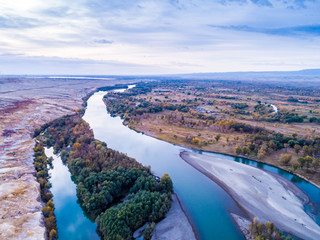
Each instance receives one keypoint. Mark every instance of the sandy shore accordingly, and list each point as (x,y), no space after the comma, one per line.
(260,194)
(26,104)
(175,226)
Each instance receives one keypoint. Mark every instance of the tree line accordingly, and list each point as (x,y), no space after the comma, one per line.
(41,164)
(111,187)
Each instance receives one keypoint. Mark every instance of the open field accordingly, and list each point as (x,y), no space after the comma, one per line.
(258,120)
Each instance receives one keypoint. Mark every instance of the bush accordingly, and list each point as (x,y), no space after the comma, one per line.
(147,235)
(53,235)
(285,158)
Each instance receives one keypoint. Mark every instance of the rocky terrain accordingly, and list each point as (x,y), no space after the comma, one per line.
(26,104)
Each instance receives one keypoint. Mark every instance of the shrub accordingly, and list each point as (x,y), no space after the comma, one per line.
(285,158)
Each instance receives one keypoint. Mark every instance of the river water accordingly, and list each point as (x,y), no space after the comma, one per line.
(275,109)
(207,205)
(72,224)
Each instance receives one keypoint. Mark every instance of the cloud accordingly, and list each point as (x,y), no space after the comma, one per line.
(62,11)
(18,22)
(164,36)
(102,41)
(32,65)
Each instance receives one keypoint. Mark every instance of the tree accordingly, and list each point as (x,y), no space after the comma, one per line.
(305,150)
(297,148)
(295,166)
(245,151)
(285,158)
(166,183)
(53,235)
(301,161)
(147,234)
(104,177)
(50,223)
(308,160)
(272,145)
(195,140)
(261,153)
(238,150)
(217,137)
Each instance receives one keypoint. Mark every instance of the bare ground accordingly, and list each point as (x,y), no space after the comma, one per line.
(26,104)
(175,226)
(259,194)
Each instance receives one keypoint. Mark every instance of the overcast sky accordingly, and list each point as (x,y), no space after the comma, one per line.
(157,36)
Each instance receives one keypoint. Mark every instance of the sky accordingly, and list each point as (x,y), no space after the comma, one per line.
(101,37)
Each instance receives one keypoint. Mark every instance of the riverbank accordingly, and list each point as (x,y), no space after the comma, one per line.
(269,160)
(175,112)
(259,194)
(176,214)
(25,105)
(175,226)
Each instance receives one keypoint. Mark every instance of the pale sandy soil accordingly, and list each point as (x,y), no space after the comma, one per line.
(26,104)
(260,194)
(175,226)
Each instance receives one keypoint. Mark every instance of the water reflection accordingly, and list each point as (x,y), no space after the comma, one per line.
(296,179)
(205,202)
(71,222)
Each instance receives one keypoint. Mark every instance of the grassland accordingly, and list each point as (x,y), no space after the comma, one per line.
(260,121)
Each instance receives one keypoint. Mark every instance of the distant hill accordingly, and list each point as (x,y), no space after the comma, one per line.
(310,71)
(306,75)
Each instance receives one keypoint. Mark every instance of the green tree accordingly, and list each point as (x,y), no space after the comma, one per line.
(166,183)
(301,161)
(295,166)
(217,137)
(245,150)
(238,150)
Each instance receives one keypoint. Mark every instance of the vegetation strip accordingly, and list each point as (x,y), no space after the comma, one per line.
(150,108)
(42,164)
(179,112)
(115,190)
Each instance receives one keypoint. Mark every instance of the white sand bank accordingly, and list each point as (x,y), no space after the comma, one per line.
(259,194)
(175,226)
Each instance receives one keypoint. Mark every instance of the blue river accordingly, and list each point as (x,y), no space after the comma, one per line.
(207,205)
